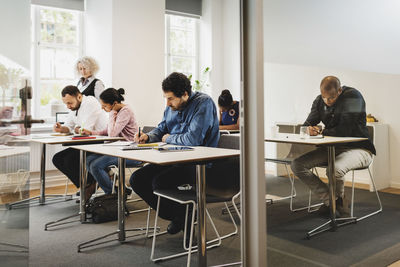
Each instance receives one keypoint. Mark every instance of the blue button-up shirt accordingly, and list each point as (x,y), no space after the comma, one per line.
(196,125)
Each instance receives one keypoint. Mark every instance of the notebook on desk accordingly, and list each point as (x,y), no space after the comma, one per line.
(135,147)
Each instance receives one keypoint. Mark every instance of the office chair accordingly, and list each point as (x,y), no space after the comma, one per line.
(295,151)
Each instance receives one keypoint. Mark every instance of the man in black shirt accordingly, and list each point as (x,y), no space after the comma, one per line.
(342,110)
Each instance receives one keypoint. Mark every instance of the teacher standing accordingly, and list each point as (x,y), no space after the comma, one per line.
(88,84)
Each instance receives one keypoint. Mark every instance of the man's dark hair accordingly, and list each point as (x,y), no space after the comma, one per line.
(330,83)
(177,83)
(111,95)
(70,90)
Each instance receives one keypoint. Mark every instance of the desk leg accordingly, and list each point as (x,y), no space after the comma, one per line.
(82,181)
(121,197)
(42,197)
(82,205)
(201,212)
(332,186)
(121,231)
(332,224)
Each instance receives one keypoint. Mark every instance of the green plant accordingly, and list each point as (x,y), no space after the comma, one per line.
(197,85)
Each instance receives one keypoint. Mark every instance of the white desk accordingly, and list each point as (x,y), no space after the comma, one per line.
(330,142)
(199,156)
(48,139)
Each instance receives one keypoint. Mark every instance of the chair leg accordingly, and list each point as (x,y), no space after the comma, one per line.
(233,221)
(352,195)
(235,206)
(377,196)
(310,206)
(66,187)
(153,245)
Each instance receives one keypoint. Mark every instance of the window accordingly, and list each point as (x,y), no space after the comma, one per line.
(57,44)
(181,53)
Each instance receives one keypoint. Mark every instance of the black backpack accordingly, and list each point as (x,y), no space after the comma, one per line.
(104,208)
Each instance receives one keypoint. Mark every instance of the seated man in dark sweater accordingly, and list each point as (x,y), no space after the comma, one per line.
(342,111)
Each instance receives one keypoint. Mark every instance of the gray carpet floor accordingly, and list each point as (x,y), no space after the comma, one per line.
(372,242)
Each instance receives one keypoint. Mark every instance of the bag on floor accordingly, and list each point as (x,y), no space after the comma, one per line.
(104,208)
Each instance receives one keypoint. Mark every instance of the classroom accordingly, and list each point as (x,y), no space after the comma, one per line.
(199,133)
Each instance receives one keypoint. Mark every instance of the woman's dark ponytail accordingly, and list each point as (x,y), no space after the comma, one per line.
(121,92)
(225,99)
(111,95)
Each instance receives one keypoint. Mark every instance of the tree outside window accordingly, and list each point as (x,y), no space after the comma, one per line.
(58,45)
(182,45)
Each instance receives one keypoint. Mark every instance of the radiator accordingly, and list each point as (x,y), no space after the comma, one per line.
(36,156)
(11,164)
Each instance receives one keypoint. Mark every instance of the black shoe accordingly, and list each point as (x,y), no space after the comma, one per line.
(325,211)
(175,227)
(128,191)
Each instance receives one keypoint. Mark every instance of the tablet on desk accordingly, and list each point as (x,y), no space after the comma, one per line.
(174,148)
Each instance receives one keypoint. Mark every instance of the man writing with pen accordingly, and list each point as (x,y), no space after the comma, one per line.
(84,111)
(190,119)
(342,111)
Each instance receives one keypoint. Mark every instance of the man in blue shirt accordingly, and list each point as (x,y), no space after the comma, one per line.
(190,119)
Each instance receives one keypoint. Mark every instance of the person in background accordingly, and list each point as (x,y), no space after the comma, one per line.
(342,110)
(85,111)
(190,119)
(88,84)
(228,111)
(121,122)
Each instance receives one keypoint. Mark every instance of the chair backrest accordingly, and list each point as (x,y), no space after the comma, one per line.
(371,132)
(223,178)
(229,141)
(147,129)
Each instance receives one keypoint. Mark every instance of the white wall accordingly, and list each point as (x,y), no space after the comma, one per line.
(15,21)
(355,40)
(350,34)
(138,55)
(231,47)
(98,36)
(128,40)
(220,45)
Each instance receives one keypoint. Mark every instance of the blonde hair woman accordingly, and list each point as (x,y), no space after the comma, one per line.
(88,84)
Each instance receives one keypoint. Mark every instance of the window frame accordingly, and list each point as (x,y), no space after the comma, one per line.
(167,52)
(36,47)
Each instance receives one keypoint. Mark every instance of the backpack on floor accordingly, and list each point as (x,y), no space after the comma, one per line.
(104,208)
